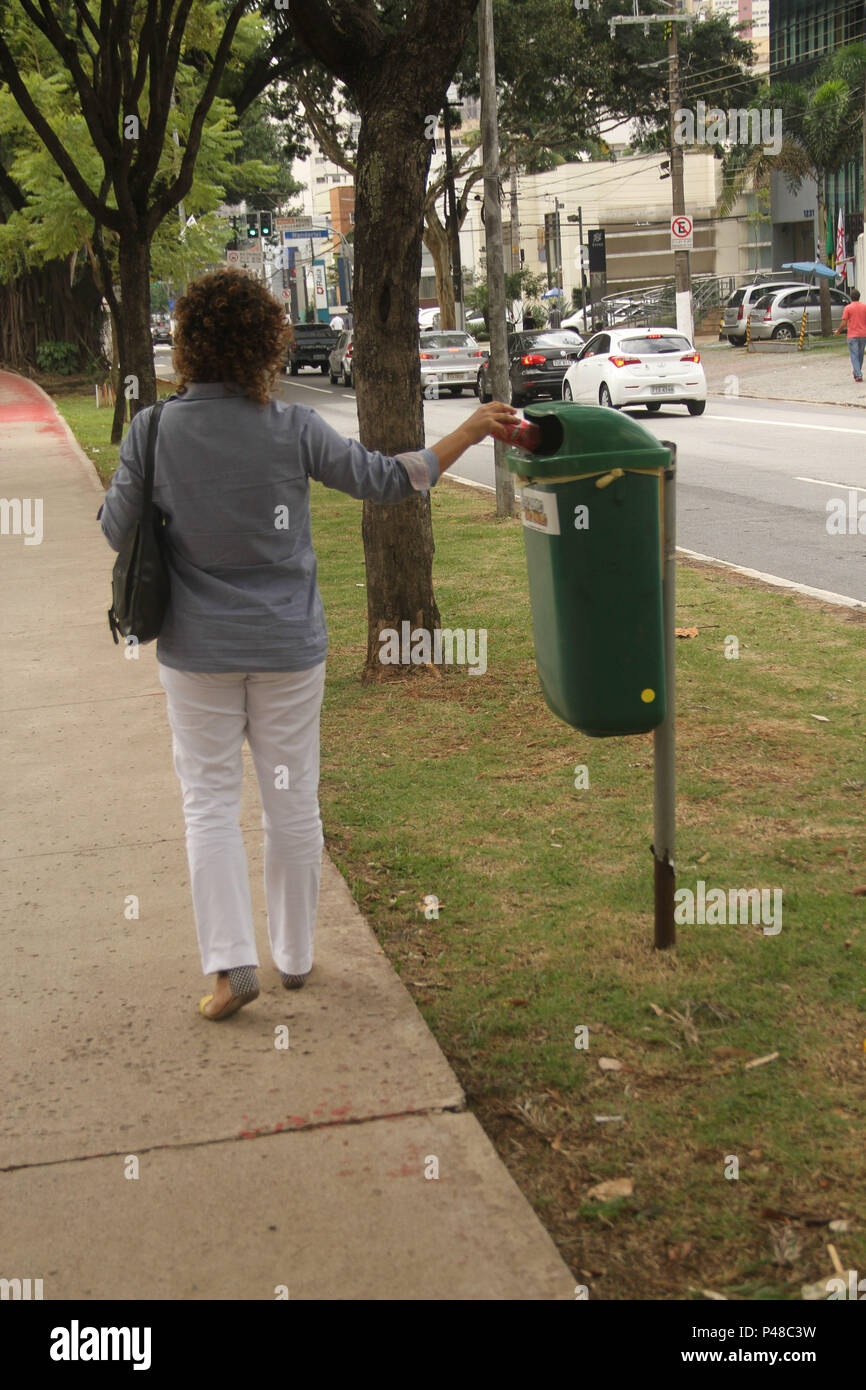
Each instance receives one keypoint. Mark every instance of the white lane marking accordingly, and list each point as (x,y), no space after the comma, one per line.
(785,424)
(822,482)
(323,389)
(774,579)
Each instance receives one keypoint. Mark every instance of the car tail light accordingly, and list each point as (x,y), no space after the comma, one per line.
(739,313)
(625,361)
(480,353)
(533,359)
(691,357)
(427,356)
(349,350)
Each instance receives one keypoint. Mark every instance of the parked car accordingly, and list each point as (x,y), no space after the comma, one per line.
(638,366)
(340,360)
(537,361)
(160,331)
(740,304)
(779,315)
(310,347)
(449,358)
(428,319)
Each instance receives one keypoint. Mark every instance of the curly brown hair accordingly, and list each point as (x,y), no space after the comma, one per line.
(229,328)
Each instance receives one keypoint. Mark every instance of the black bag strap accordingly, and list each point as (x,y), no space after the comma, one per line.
(149,457)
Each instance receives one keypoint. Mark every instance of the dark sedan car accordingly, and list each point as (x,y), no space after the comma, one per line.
(537,363)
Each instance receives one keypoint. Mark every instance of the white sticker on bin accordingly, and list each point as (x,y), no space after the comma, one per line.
(538,511)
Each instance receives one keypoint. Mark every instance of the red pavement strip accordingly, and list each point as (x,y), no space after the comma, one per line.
(22,401)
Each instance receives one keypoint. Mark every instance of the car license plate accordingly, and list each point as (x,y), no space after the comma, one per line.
(453,376)
(661,390)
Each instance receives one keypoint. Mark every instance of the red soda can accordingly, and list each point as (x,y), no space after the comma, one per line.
(524,434)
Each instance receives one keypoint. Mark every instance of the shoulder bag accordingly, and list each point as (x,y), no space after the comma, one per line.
(140,580)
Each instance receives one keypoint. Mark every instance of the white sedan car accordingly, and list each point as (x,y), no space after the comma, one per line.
(638,366)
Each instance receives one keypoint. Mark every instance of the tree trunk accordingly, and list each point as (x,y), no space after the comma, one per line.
(393,156)
(137,371)
(436,241)
(824,286)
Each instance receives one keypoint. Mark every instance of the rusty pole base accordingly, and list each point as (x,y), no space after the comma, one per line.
(664,885)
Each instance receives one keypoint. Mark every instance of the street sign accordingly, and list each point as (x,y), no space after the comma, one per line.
(233,257)
(286,294)
(682,233)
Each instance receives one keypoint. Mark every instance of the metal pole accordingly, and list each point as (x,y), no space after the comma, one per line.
(453,222)
(495,260)
(582,271)
(664,768)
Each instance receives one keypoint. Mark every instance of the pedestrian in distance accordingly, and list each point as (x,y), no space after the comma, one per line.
(242,648)
(854,315)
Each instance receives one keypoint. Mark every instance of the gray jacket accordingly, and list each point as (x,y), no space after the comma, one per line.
(233,481)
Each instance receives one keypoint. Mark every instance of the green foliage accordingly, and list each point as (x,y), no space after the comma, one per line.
(59,359)
(53,223)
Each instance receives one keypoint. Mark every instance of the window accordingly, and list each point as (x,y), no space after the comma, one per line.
(599,344)
(669,342)
(795,300)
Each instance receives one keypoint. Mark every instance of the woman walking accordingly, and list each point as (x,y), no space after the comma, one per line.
(241,653)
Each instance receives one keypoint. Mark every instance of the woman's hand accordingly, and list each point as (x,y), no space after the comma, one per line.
(492,418)
(488,419)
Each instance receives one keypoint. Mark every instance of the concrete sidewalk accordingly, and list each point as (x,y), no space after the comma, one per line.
(107,1064)
(778,372)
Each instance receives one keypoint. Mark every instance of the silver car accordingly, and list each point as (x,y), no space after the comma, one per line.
(741,304)
(449,361)
(340,360)
(779,315)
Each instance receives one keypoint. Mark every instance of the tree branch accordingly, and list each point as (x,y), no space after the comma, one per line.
(182,184)
(97,209)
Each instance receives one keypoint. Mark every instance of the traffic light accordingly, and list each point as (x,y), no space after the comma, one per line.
(252,226)
(265,223)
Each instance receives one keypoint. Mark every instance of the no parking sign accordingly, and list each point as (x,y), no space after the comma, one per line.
(682,233)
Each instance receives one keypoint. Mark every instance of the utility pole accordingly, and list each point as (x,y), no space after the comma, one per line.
(453,221)
(685,322)
(493,239)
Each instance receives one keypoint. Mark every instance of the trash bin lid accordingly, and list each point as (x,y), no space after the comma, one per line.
(585,439)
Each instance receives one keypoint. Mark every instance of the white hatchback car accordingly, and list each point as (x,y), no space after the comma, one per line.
(638,366)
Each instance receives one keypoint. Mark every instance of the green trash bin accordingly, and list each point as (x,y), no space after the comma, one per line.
(591,506)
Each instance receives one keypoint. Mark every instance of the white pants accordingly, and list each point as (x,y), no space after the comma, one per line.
(278,713)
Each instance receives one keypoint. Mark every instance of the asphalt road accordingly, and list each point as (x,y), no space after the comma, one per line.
(754,478)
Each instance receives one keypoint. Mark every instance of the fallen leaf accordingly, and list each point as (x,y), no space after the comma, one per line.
(859,892)
(822,717)
(717,1297)
(840,1227)
(556,1142)
(679,1252)
(609,1064)
(685,632)
(615,1187)
(516,1003)
(606,1119)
